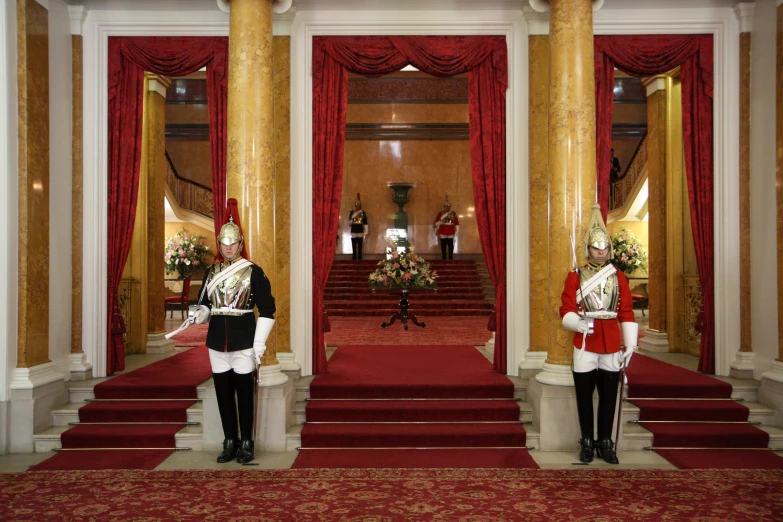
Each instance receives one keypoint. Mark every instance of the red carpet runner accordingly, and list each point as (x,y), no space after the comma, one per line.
(175,377)
(648,377)
(377,404)
(460,293)
(396,494)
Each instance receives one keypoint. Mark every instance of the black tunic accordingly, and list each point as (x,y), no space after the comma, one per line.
(229,333)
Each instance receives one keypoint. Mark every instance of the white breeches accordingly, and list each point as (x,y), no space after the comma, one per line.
(589,361)
(241,362)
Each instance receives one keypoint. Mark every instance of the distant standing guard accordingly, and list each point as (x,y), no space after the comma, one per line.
(596,304)
(447,224)
(359,228)
(232,287)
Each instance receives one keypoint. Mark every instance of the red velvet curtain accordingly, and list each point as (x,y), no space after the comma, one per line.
(485,58)
(650,55)
(129,57)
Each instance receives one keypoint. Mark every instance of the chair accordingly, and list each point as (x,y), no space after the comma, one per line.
(181,300)
(639,295)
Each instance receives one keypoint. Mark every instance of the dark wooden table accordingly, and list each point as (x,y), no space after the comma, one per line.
(403,315)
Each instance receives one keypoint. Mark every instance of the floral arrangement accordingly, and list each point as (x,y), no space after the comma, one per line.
(629,254)
(404,270)
(185,253)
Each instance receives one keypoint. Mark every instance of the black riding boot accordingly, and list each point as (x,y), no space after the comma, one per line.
(224,390)
(585,385)
(607,403)
(245,383)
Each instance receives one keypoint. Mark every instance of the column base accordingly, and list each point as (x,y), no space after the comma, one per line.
(657,342)
(742,367)
(271,376)
(532,364)
(555,375)
(555,415)
(288,362)
(81,370)
(771,390)
(35,392)
(490,344)
(273,417)
(157,343)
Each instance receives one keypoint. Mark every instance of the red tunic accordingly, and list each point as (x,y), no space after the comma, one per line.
(606,336)
(447,229)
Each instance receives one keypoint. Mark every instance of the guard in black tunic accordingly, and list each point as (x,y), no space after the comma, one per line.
(358,220)
(232,287)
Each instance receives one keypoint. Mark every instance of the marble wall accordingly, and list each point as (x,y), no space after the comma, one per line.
(436,168)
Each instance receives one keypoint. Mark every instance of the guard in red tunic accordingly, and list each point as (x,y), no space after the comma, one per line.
(447,224)
(597,305)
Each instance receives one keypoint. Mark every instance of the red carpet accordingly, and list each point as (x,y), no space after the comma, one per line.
(460,293)
(347,331)
(395,494)
(175,377)
(439,400)
(650,378)
(195,335)
(400,458)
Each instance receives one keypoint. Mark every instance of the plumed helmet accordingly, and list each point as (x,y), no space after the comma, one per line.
(447,203)
(358,202)
(597,234)
(231,231)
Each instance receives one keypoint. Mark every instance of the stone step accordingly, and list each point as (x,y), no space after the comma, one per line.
(293,437)
(64,415)
(49,439)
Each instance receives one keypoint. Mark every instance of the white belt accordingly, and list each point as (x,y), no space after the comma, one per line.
(602,314)
(230,311)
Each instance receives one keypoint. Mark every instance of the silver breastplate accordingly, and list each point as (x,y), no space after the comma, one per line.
(605,297)
(235,292)
(357,217)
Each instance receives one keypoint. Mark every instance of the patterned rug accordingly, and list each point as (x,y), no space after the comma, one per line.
(348,331)
(394,494)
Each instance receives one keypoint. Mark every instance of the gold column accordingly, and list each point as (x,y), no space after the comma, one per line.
(539,189)
(657,126)
(251,157)
(572,176)
(79,365)
(282,124)
(155,123)
(779,171)
(33,98)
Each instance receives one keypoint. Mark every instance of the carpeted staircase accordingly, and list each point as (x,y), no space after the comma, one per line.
(694,420)
(133,418)
(412,406)
(460,291)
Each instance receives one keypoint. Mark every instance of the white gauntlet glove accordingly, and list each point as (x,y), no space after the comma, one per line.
(200,313)
(572,321)
(630,339)
(263,328)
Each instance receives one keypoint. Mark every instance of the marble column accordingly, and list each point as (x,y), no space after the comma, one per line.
(36,384)
(80,368)
(656,338)
(251,155)
(742,366)
(282,123)
(33,78)
(155,134)
(572,174)
(538,139)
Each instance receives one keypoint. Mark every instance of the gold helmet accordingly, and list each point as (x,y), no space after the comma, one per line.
(231,231)
(597,235)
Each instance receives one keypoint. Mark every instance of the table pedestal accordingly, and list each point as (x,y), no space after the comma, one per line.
(403,315)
